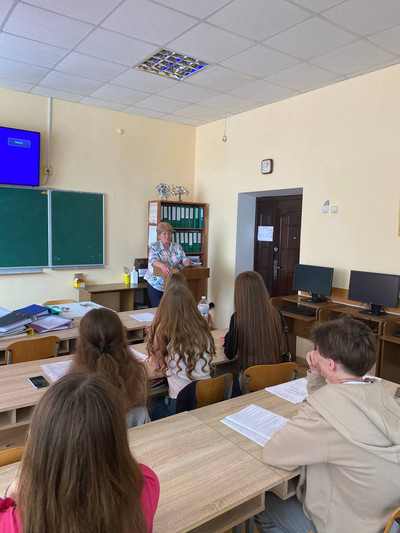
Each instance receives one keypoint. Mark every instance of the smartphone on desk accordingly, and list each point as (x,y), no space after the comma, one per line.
(39,382)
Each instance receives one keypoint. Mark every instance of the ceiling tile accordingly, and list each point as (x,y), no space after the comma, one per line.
(182,120)
(262,91)
(87,11)
(15,85)
(365,16)
(200,113)
(5,6)
(209,43)
(17,71)
(143,81)
(96,102)
(302,77)
(352,57)
(220,79)
(117,48)
(158,103)
(198,9)
(50,28)
(187,93)
(89,67)
(228,103)
(55,93)
(389,39)
(380,66)
(258,20)
(121,95)
(143,112)
(317,5)
(69,83)
(27,51)
(310,38)
(147,21)
(260,61)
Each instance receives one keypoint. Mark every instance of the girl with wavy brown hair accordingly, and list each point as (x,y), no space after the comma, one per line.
(102,347)
(180,345)
(78,474)
(255,333)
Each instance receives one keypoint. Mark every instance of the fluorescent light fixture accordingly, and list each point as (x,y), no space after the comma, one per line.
(172,64)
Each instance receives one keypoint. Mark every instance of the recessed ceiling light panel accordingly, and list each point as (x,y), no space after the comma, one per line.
(171,64)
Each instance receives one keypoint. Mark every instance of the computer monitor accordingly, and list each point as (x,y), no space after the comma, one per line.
(316,280)
(19,157)
(377,290)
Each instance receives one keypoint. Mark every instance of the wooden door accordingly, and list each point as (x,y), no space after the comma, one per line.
(275,259)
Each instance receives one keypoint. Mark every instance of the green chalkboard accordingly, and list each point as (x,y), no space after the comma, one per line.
(23,228)
(77,229)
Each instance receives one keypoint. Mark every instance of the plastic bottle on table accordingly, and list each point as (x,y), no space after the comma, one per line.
(203,306)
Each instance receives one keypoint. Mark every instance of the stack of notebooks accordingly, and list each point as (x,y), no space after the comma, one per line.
(23,322)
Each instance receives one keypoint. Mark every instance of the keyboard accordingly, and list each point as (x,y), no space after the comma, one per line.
(299,311)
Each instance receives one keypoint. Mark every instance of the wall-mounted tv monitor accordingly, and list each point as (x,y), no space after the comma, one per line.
(316,280)
(377,290)
(19,157)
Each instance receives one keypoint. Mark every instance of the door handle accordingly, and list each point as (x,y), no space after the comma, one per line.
(276,268)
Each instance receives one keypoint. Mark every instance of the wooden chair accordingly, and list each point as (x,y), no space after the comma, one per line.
(57,302)
(213,390)
(32,349)
(394,519)
(11,455)
(260,376)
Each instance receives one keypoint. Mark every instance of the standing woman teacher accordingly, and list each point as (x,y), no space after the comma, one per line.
(165,255)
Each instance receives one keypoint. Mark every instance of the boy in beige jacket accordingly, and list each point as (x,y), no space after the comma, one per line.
(346,438)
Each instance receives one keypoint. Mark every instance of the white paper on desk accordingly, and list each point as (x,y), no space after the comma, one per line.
(139,355)
(143,317)
(293,391)
(255,423)
(76,309)
(56,371)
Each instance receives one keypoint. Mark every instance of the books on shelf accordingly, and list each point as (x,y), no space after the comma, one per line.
(182,215)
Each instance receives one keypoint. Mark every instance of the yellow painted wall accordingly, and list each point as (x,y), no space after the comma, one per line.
(88,154)
(339,143)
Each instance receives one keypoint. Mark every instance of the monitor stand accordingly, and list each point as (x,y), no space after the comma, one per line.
(375,310)
(315,299)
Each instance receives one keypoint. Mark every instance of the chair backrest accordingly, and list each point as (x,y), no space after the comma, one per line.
(11,455)
(260,376)
(32,349)
(394,519)
(56,302)
(213,390)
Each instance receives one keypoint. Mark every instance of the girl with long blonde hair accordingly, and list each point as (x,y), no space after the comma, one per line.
(255,333)
(78,474)
(102,347)
(180,345)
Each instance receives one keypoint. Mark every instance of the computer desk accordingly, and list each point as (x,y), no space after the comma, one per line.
(18,397)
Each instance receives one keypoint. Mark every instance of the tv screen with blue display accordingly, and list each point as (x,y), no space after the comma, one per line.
(19,157)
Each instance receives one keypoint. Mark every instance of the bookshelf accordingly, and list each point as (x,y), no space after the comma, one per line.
(189,220)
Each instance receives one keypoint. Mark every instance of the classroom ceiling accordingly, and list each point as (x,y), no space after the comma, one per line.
(260,51)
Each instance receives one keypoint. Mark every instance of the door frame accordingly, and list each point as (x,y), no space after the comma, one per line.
(246,213)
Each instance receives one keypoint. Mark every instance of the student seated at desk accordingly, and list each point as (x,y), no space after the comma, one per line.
(78,474)
(102,347)
(255,331)
(346,437)
(180,345)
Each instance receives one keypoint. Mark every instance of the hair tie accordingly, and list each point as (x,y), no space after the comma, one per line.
(103,348)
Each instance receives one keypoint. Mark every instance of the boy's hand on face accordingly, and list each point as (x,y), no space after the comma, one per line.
(313,363)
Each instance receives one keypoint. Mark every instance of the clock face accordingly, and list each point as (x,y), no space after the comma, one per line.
(266,166)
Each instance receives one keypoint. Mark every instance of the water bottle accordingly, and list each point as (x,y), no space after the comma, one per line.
(203,306)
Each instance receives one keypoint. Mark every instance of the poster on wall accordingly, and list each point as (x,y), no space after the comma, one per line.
(265,233)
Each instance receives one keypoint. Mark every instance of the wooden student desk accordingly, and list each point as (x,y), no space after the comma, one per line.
(18,397)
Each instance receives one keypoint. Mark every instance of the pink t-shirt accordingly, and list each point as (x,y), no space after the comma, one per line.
(10,522)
